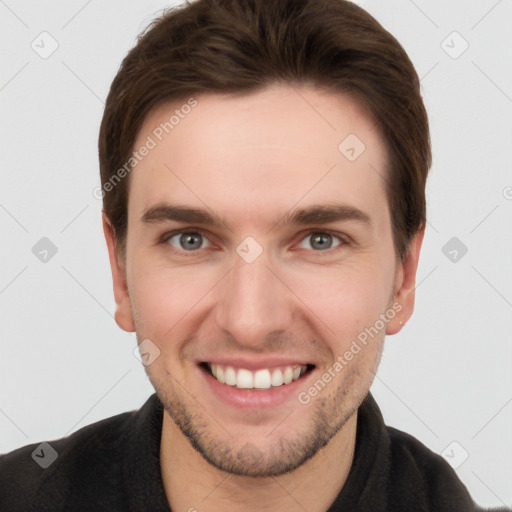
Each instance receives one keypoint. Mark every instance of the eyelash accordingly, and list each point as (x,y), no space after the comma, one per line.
(343,239)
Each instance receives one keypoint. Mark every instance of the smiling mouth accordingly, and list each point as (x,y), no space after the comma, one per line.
(262,379)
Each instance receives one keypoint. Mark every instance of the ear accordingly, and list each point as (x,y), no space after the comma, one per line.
(123,315)
(405,284)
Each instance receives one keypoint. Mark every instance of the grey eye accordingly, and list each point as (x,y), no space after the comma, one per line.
(188,241)
(319,241)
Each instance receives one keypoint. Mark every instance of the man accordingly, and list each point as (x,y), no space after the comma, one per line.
(263,169)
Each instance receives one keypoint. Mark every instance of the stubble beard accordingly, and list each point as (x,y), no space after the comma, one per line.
(284,454)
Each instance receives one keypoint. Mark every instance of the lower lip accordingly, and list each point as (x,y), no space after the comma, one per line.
(254,398)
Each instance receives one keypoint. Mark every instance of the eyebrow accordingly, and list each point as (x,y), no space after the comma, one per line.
(314,214)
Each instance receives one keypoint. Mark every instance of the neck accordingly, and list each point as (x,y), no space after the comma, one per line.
(193,484)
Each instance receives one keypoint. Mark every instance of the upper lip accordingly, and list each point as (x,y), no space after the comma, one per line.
(255,363)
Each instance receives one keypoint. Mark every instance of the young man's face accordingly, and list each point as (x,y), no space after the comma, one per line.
(262,296)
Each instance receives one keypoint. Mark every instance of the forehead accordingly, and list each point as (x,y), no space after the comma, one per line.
(266,151)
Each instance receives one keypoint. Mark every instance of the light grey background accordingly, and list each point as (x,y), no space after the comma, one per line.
(64,362)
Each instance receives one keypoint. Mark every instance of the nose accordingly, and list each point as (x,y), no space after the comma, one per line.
(253,304)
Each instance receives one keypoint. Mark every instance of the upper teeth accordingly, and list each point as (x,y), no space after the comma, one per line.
(260,379)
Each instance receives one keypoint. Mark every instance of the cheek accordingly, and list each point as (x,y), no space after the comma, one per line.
(165,297)
(346,299)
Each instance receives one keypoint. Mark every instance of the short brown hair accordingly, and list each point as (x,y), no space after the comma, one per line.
(239,46)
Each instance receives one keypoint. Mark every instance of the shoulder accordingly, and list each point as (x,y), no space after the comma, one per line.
(62,466)
(424,474)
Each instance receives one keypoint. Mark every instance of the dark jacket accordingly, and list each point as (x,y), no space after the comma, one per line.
(113,465)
